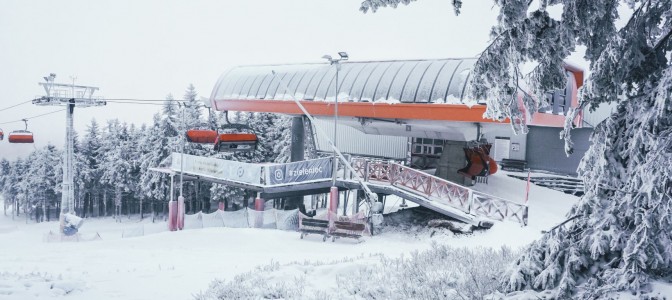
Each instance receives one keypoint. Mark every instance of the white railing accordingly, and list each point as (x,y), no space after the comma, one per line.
(440,190)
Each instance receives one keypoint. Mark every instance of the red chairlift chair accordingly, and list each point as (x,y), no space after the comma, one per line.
(479,163)
(201,136)
(236,137)
(230,137)
(21,136)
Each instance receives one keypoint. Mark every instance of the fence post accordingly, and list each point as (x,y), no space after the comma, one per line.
(180,212)
(366,170)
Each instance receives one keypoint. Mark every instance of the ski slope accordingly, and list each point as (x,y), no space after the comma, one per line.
(177,265)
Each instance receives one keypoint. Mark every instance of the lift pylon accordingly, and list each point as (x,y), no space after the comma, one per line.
(71,96)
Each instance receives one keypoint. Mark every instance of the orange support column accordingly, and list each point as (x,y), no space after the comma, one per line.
(172,215)
(259,207)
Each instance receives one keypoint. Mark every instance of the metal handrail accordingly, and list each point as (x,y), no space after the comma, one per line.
(440,190)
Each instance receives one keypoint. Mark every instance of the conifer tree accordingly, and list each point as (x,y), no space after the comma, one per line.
(619,235)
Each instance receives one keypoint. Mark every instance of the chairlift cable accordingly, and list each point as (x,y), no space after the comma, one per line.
(9,107)
(33,117)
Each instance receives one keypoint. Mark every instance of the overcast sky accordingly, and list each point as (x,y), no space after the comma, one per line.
(148,49)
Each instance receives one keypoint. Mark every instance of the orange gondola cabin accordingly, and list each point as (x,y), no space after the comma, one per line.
(21,137)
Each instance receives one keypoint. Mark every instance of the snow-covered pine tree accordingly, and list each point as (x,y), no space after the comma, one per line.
(80,190)
(15,191)
(619,235)
(41,179)
(115,162)
(5,168)
(135,153)
(154,185)
(90,168)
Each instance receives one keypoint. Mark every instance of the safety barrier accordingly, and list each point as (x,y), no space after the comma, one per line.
(243,218)
(53,237)
(439,190)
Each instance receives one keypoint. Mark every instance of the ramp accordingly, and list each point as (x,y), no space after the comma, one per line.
(440,195)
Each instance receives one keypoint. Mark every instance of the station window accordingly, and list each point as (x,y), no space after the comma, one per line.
(559,101)
(427,146)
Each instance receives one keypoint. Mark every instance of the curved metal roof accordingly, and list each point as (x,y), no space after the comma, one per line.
(407,81)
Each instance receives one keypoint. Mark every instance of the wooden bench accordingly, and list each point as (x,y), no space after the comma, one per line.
(513,164)
(347,230)
(314,226)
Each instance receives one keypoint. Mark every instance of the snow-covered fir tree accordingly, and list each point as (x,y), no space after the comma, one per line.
(619,234)
(90,168)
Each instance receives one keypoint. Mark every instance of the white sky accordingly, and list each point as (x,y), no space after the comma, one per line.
(147,49)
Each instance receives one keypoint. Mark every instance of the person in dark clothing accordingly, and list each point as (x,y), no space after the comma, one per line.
(302,209)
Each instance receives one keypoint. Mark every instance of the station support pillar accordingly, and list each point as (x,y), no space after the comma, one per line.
(297,147)
(333,203)
(180,212)
(259,204)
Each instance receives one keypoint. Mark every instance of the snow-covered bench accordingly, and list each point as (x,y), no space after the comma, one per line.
(314,226)
(513,164)
(347,230)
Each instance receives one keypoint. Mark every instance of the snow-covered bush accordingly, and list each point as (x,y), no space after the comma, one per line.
(255,285)
(443,272)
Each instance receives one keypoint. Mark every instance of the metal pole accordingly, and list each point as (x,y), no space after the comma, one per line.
(335,163)
(346,164)
(182,151)
(67,195)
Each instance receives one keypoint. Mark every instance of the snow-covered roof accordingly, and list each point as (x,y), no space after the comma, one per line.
(408,81)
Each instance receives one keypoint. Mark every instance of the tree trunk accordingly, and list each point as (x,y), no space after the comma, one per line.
(105,203)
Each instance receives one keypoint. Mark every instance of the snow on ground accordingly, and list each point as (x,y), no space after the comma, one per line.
(177,265)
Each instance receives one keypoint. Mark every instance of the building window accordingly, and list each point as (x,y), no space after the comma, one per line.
(423,146)
(559,101)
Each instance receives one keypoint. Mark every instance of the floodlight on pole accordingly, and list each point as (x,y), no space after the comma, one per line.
(343,55)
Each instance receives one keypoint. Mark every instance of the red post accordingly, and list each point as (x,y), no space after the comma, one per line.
(259,206)
(333,202)
(172,215)
(180,212)
(527,190)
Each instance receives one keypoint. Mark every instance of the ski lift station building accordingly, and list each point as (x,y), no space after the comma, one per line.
(416,111)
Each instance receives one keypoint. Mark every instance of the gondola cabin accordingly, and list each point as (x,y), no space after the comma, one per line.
(236,142)
(2,135)
(202,136)
(21,137)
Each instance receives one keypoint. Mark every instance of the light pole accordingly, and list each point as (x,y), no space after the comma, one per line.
(337,62)
(333,192)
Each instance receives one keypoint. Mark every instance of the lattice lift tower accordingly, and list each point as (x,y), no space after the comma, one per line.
(70,96)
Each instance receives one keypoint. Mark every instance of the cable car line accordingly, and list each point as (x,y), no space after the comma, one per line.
(6,108)
(128,102)
(33,117)
(146,100)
